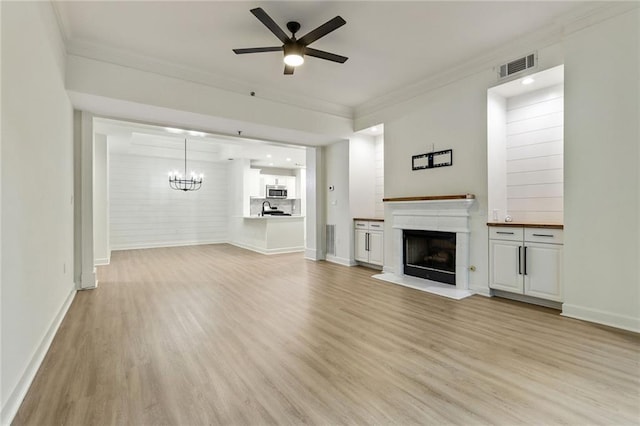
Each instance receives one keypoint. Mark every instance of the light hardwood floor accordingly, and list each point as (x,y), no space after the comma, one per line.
(220,335)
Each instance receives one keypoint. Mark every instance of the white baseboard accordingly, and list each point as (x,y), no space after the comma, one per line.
(388,269)
(313,254)
(601,317)
(482,291)
(101,262)
(340,260)
(10,408)
(268,251)
(165,244)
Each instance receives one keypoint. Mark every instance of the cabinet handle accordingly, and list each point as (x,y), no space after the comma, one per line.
(525,260)
(366,242)
(544,235)
(505,233)
(519,260)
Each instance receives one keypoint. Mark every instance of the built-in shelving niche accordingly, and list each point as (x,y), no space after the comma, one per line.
(525,148)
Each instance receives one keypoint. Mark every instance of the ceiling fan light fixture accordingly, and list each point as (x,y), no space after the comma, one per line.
(294,60)
(293,55)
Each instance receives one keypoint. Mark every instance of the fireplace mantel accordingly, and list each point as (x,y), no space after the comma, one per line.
(430,198)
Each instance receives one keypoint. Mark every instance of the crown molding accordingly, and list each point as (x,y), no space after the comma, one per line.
(555,32)
(140,62)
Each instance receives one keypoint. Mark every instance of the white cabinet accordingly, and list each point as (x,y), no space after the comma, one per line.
(369,241)
(290,181)
(252,179)
(526,261)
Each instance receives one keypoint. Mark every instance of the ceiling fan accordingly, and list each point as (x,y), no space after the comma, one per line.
(295,49)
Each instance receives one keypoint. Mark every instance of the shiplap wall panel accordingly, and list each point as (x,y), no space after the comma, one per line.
(535,155)
(536,177)
(537,136)
(145,212)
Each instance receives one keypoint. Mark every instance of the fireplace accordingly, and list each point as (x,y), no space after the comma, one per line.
(430,255)
(447,260)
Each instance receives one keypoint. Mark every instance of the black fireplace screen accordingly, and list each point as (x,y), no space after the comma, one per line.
(430,255)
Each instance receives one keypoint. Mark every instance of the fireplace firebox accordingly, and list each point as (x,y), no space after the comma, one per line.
(430,255)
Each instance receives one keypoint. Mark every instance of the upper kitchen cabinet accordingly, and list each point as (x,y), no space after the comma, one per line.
(252,180)
(525,149)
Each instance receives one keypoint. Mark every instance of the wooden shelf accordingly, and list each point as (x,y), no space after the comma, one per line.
(431,198)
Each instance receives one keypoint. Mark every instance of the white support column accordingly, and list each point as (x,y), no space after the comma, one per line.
(315,209)
(84,270)
(101,250)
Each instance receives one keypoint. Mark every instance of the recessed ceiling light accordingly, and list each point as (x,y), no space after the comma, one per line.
(271,164)
(527,81)
(173,130)
(288,159)
(268,155)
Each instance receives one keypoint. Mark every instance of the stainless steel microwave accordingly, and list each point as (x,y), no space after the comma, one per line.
(276,191)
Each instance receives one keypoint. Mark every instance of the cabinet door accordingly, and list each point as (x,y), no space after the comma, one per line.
(504,270)
(376,248)
(291,187)
(543,276)
(253,182)
(361,253)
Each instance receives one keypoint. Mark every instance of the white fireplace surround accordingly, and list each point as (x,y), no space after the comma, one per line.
(445,215)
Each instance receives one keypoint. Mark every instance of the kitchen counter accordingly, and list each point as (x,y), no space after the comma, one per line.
(269,234)
(278,217)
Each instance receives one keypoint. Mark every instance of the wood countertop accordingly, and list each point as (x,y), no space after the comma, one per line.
(369,219)
(528,225)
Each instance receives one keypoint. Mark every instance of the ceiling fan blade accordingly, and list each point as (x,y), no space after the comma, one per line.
(288,69)
(325,55)
(322,30)
(258,50)
(262,16)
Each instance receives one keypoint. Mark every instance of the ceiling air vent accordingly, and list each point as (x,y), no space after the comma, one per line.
(520,64)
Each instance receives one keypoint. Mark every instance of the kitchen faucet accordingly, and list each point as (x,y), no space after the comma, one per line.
(263,203)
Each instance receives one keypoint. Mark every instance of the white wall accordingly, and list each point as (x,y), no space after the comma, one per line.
(338,208)
(37,188)
(602,182)
(362,176)
(451,117)
(145,212)
(101,250)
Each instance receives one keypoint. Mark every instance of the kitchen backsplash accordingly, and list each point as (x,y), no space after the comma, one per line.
(287,206)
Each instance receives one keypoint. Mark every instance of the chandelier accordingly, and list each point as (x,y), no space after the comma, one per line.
(181,183)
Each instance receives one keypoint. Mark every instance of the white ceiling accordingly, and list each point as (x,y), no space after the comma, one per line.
(390,44)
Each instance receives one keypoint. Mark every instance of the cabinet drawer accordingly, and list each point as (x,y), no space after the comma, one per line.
(543,235)
(361,224)
(509,233)
(376,226)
